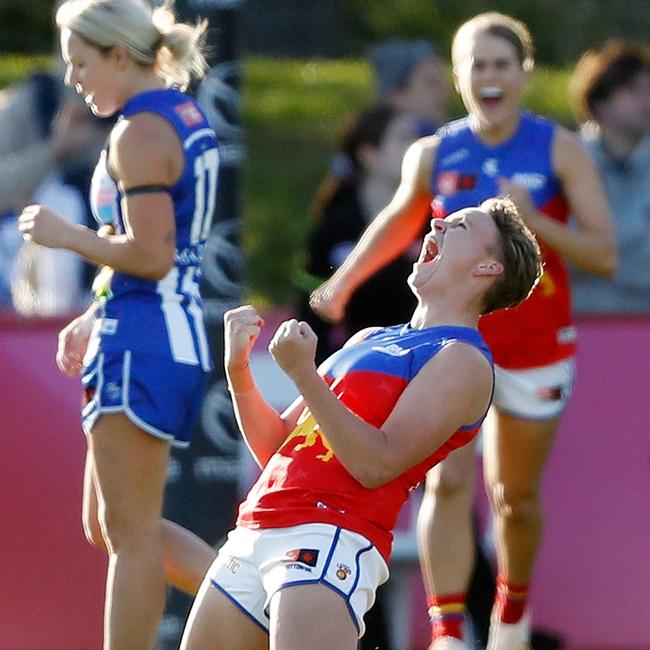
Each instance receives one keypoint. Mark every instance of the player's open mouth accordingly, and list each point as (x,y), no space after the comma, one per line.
(431,251)
(491,95)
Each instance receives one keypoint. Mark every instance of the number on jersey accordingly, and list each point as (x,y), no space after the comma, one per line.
(206,167)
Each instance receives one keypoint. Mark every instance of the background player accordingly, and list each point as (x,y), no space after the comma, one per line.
(314,533)
(497,148)
(146,360)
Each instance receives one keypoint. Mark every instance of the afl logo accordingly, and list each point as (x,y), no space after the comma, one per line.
(491,167)
(342,571)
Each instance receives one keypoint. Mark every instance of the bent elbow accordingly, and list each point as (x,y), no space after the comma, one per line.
(374,477)
(372,483)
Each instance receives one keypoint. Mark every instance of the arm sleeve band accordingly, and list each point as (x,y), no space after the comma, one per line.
(146,189)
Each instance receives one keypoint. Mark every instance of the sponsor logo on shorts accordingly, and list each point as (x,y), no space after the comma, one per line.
(308,556)
(231,564)
(299,567)
(343,571)
(113,391)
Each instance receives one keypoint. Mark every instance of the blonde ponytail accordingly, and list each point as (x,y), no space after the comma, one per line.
(151,36)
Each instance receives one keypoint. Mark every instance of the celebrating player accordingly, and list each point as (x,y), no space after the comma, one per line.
(497,149)
(313,536)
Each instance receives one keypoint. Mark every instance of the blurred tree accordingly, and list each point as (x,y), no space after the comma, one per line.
(26,25)
(333,28)
(561,30)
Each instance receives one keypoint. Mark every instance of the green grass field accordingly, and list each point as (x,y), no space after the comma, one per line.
(293,114)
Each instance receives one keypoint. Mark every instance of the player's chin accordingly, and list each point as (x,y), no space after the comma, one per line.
(101,110)
(414,280)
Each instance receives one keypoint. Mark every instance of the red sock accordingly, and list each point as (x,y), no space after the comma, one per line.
(447,614)
(510,601)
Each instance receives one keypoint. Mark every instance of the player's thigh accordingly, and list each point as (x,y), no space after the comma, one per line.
(520,431)
(130,467)
(515,453)
(454,474)
(216,623)
(90,505)
(310,616)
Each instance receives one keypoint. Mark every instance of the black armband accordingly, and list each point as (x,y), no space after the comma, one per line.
(146,189)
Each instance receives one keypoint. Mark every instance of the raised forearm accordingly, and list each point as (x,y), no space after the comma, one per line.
(591,252)
(388,236)
(261,426)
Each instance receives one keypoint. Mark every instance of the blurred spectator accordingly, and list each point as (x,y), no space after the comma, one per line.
(410,76)
(611,95)
(48,145)
(374,143)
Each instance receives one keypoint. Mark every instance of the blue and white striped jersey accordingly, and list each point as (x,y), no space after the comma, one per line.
(164,317)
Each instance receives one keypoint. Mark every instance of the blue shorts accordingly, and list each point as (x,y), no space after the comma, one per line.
(159,395)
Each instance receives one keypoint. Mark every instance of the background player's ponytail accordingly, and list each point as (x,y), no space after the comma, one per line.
(180,54)
(151,35)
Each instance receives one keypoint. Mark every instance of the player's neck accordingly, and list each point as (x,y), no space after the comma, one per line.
(494,134)
(144,82)
(443,313)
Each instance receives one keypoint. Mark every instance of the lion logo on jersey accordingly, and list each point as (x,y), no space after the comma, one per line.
(309,429)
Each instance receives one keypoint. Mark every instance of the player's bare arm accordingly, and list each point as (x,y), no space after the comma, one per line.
(389,234)
(592,246)
(139,156)
(262,427)
(452,390)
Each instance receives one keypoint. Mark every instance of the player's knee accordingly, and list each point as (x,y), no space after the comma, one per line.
(448,484)
(122,528)
(515,504)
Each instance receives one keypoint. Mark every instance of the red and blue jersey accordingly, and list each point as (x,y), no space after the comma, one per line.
(304,482)
(539,331)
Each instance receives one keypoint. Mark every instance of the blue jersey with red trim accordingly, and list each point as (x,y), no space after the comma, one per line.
(163,317)
(304,482)
(466,172)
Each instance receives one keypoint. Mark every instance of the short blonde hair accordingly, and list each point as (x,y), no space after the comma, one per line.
(151,35)
(496,24)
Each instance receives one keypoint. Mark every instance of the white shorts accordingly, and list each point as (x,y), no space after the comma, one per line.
(540,393)
(253,565)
